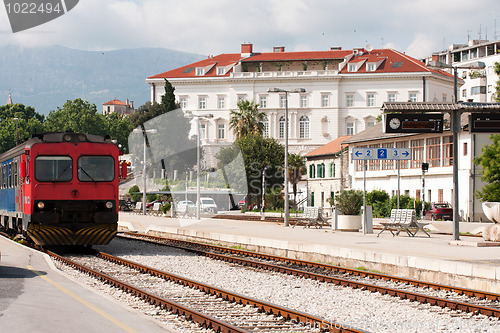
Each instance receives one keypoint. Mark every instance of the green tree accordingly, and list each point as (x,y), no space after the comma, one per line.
(78,116)
(247,119)
(296,168)
(490,173)
(28,123)
(497,88)
(257,152)
(135,193)
(118,127)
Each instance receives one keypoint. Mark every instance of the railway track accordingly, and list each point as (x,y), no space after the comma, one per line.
(455,298)
(211,307)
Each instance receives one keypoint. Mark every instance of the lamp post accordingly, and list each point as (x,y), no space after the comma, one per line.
(189,114)
(287,201)
(455,127)
(138,130)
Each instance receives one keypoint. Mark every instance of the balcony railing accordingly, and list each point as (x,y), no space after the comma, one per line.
(256,75)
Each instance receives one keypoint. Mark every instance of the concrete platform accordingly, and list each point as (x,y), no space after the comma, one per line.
(36,297)
(436,259)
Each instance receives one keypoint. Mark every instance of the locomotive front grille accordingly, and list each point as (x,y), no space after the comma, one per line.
(75,212)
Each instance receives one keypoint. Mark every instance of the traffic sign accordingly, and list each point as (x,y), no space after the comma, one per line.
(413,123)
(484,123)
(381,153)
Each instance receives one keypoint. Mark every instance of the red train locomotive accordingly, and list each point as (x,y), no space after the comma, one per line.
(61,189)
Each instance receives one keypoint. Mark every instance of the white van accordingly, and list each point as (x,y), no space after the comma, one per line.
(208,205)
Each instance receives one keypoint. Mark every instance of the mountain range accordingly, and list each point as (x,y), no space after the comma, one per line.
(46,77)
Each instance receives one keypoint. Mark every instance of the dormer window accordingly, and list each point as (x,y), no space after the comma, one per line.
(221,71)
(371,67)
(200,71)
(352,68)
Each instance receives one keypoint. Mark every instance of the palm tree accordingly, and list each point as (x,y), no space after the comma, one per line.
(247,119)
(296,168)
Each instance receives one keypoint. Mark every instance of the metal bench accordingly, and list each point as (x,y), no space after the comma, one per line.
(311,217)
(403,219)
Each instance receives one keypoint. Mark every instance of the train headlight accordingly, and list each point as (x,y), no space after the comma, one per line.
(109,204)
(40,205)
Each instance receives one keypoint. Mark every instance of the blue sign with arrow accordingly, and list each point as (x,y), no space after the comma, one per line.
(381,153)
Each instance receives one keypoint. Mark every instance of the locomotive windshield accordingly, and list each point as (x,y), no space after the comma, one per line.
(53,168)
(96,168)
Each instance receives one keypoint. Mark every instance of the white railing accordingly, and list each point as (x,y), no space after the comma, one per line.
(252,75)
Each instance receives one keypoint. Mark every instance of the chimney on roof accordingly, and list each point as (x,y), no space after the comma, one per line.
(278,49)
(335,48)
(246,49)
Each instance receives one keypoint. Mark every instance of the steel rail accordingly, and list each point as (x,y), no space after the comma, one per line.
(432,300)
(192,315)
(276,310)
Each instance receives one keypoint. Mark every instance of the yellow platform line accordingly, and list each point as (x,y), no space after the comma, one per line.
(84,302)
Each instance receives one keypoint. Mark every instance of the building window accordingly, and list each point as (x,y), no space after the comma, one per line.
(350,128)
(371,67)
(320,171)
(303,101)
(241,97)
(200,71)
(304,127)
(183,102)
(282,127)
(478,90)
(203,131)
(352,68)
(369,123)
(312,199)
(448,151)
(465,149)
(221,70)
(202,103)
(265,123)
(391,97)
(325,100)
(412,97)
(349,100)
(312,171)
(417,151)
(374,164)
(263,102)
(440,195)
(370,100)
(331,172)
(403,144)
(434,152)
(221,131)
(464,92)
(221,102)
(283,101)
(444,98)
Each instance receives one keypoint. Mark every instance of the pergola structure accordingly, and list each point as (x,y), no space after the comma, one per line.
(455,110)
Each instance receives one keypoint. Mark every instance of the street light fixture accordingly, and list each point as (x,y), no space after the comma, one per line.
(189,114)
(287,202)
(455,126)
(139,130)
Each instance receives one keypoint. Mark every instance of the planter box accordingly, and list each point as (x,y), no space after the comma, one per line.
(349,222)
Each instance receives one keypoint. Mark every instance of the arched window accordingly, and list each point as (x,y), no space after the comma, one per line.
(282,127)
(265,131)
(304,127)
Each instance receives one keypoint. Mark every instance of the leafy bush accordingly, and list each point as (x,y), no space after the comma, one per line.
(134,192)
(349,202)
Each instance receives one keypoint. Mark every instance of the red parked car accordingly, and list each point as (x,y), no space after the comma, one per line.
(439,211)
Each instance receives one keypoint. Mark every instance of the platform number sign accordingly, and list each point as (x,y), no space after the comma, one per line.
(381,153)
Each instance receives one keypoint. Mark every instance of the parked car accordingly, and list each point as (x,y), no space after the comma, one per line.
(439,211)
(184,205)
(208,205)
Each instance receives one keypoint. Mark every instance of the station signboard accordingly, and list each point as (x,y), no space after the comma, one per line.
(381,153)
(413,123)
(484,122)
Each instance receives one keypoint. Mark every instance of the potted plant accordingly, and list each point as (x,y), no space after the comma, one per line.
(348,205)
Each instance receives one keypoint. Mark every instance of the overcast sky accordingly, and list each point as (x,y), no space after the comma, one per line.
(211,27)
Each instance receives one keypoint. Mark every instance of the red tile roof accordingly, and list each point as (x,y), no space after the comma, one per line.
(388,61)
(330,148)
(115,102)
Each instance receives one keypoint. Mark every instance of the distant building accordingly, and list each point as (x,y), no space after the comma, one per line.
(9,100)
(118,106)
(479,85)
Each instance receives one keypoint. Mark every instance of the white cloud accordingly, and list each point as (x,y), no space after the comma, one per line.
(421,46)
